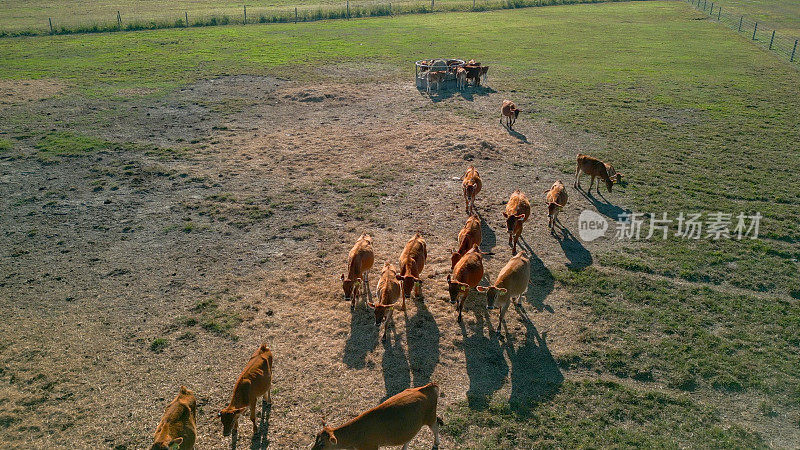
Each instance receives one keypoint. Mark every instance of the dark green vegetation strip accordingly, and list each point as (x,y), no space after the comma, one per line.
(592,414)
(686,337)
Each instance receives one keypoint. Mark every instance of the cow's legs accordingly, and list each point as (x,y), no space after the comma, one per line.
(253,416)
(514,248)
(591,183)
(435,429)
(503,310)
(460,307)
(577,182)
(365,277)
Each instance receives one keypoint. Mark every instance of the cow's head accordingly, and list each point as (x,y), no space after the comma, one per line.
(513,222)
(229,416)
(324,439)
(516,113)
(613,177)
(380,311)
(350,287)
(408,282)
(456,289)
(167,444)
(491,294)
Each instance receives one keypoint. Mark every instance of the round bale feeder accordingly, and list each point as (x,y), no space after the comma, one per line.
(423,66)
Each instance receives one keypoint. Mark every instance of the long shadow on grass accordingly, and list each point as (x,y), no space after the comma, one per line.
(363,337)
(515,133)
(422,335)
(486,366)
(535,376)
(579,257)
(449,89)
(396,372)
(488,237)
(603,206)
(542,280)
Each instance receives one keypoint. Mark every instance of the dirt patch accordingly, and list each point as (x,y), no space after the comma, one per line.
(14,92)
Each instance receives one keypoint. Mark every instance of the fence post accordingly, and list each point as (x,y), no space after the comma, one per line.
(771,39)
(119,20)
(245,14)
(348,9)
(754,31)
(432,5)
(473,4)
(793,50)
(186,14)
(719,13)
(711,11)
(740,23)
(51,26)
(295,14)
(705,2)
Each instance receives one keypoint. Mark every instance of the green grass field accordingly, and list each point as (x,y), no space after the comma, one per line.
(781,15)
(696,116)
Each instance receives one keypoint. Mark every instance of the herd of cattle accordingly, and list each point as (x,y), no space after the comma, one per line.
(437,71)
(398,419)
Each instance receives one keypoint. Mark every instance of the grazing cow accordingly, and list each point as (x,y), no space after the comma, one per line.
(435,77)
(412,261)
(473,73)
(511,283)
(510,112)
(178,424)
(595,168)
(556,198)
(359,261)
(467,273)
(518,209)
(468,237)
(461,78)
(254,381)
(388,294)
(471,184)
(394,422)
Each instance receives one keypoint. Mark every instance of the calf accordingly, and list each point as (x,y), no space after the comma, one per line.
(434,77)
(461,78)
(388,294)
(518,209)
(511,283)
(556,199)
(468,237)
(510,112)
(595,168)
(254,381)
(359,261)
(467,273)
(412,261)
(178,425)
(473,73)
(483,72)
(394,422)
(471,185)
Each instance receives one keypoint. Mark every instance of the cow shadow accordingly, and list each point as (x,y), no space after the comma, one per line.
(363,337)
(579,257)
(469,92)
(260,440)
(542,281)
(535,375)
(515,133)
(396,371)
(422,337)
(486,366)
(488,237)
(444,92)
(603,206)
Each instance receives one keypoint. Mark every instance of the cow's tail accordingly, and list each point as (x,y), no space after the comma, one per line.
(470,190)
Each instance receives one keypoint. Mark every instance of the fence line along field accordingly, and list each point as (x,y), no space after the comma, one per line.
(172,199)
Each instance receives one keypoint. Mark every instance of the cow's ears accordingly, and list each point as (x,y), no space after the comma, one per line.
(177,441)
(448,278)
(520,216)
(240,410)
(333,438)
(481,288)
(342,277)
(502,290)
(505,215)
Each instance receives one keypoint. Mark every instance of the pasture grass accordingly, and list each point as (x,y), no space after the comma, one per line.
(685,337)
(591,414)
(780,15)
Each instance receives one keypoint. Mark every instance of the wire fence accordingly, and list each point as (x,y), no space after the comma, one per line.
(114,20)
(785,47)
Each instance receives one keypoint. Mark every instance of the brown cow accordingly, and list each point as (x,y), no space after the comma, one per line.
(471,184)
(388,294)
(595,168)
(510,112)
(359,261)
(511,283)
(254,381)
(461,78)
(468,237)
(412,261)
(556,199)
(518,209)
(434,77)
(178,425)
(394,422)
(467,273)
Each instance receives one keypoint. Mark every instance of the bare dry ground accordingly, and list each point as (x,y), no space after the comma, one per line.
(129,271)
